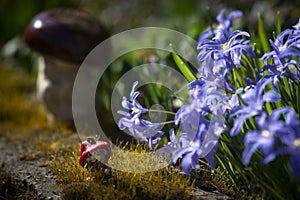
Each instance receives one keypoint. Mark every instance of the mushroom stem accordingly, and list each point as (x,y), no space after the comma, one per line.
(54,87)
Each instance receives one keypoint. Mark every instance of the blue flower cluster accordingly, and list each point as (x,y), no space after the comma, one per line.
(140,129)
(215,101)
(280,62)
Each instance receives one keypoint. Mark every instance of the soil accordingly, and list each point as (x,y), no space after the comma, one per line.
(26,174)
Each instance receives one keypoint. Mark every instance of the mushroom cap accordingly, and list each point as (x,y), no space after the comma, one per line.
(65,34)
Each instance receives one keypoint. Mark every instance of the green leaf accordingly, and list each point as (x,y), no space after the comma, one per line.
(278,23)
(184,68)
(262,34)
(298,99)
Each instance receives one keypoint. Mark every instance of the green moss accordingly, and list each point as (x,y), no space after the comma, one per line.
(136,158)
(164,183)
(20,111)
(105,182)
(68,171)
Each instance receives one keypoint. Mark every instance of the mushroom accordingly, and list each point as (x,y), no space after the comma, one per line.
(63,38)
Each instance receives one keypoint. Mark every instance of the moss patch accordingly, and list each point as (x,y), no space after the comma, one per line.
(105,183)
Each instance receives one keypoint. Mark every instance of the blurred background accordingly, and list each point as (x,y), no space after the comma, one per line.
(189,17)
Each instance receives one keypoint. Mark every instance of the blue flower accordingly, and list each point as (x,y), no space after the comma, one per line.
(132,105)
(189,149)
(265,137)
(226,49)
(254,100)
(271,132)
(279,61)
(199,136)
(220,55)
(171,146)
(281,44)
(140,129)
(291,140)
(224,26)
(211,74)
(204,99)
(189,118)
(190,114)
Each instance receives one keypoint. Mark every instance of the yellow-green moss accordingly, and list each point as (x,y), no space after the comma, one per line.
(68,171)
(162,183)
(166,183)
(136,158)
(20,112)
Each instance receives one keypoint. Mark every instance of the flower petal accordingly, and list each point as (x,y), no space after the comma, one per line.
(271,96)
(248,152)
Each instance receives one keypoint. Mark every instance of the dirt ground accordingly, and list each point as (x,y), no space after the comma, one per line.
(30,176)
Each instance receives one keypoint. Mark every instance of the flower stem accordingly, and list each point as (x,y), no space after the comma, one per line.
(162,111)
(167,122)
